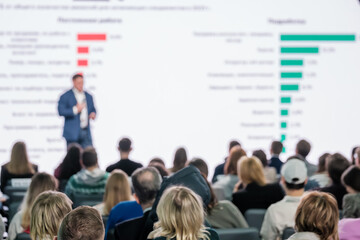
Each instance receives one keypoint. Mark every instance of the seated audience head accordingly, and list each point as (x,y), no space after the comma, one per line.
(260,154)
(125,145)
(47,212)
(322,163)
(181,215)
(117,190)
(233,143)
(353,155)
(303,148)
(351,179)
(146,183)
(336,165)
(89,158)
(180,159)
(40,182)
(201,165)
(294,176)
(71,163)
(231,162)
(82,223)
(276,148)
(19,160)
(357,157)
(318,213)
(157,160)
(250,170)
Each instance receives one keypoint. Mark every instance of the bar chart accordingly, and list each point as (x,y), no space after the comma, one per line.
(295,55)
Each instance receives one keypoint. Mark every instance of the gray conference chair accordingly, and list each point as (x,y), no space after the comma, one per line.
(255,217)
(238,234)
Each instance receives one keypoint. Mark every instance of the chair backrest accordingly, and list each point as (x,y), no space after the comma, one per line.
(13,209)
(255,217)
(287,233)
(219,193)
(23,236)
(238,234)
(87,199)
(341,214)
(15,193)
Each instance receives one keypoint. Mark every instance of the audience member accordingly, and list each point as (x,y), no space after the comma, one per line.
(125,164)
(354,155)
(146,184)
(311,184)
(219,170)
(275,151)
(349,229)
(269,172)
(220,214)
(281,215)
(302,149)
(357,157)
(181,216)
(69,166)
(201,165)
(47,212)
(316,218)
(40,182)
(117,190)
(160,166)
(18,167)
(82,223)
(89,180)
(157,160)
(255,194)
(230,177)
(322,176)
(189,177)
(180,160)
(336,165)
(351,201)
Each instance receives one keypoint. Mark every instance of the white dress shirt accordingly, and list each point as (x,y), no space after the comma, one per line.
(80,98)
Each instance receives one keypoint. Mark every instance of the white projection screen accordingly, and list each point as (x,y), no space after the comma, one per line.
(192,73)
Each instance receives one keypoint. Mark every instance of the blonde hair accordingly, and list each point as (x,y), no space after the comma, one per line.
(40,182)
(236,153)
(318,213)
(181,215)
(117,190)
(19,160)
(47,212)
(250,169)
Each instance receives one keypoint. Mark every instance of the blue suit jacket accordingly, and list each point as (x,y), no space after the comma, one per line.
(72,122)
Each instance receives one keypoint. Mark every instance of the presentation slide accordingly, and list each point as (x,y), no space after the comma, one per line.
(191,73)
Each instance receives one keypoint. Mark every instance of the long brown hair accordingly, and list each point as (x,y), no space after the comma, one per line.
(117,190)
(40,182)
(231,162)
(318,213)
(19,160)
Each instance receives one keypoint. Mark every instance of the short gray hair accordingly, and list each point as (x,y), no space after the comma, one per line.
(146,183)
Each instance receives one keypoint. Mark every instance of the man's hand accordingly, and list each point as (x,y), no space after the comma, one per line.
(92,115)
(80,106)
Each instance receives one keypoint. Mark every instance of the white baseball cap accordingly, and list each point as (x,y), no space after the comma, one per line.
(294,171)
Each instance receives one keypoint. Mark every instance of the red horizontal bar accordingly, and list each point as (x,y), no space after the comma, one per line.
(83,49)
(91,37)
(82,62)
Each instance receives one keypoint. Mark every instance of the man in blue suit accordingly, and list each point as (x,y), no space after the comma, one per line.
(77,106)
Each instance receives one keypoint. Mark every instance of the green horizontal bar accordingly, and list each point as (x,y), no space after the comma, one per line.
(288,62)
(283,125)
(289,87)
(291,75)
(284,112)
(285,99)
(283,137)
(317,37)
(299,50)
